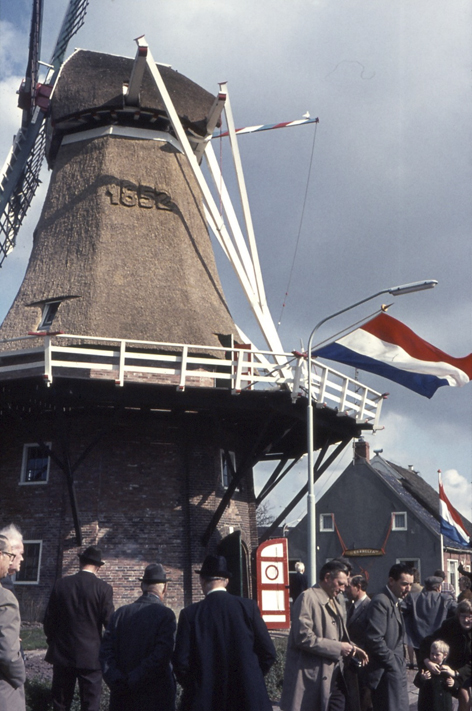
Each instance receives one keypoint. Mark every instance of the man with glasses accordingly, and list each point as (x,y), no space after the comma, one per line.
(15,538)
(12,676)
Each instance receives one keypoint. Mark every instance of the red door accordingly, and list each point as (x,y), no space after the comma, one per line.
(272,583)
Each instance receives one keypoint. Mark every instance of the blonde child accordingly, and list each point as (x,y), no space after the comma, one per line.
(436,690)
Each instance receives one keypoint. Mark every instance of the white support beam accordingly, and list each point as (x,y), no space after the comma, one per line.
(263,317)
(245,202)
(136,79)
(233,223)
(212,122)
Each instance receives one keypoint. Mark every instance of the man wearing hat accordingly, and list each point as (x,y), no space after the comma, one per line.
(79,607)
(425,611)
(137,648)
(223,648)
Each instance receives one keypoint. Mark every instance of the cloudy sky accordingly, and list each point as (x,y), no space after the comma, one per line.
(388,199)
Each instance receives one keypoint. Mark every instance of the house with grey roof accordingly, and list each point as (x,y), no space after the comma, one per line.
(378,513)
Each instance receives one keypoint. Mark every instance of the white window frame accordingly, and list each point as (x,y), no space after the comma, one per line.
(399,528)
(23,481)
(452,573)
(32,582)
(323,528)
(225,473)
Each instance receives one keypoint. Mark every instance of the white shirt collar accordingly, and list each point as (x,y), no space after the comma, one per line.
(216,590)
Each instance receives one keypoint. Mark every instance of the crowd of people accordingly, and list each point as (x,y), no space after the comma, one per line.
(346,651)
(219,651)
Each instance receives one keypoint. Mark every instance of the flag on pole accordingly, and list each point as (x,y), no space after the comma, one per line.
(451,522)
(388,348)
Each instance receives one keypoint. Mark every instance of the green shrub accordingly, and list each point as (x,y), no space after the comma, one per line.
(38,696)
(33,638)
(275,677)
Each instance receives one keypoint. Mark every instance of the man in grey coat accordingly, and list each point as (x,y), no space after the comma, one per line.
(384,642)
(137,647)
(319,647)
(12,668)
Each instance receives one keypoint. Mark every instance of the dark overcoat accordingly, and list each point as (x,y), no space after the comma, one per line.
(12,667)
(384,644)
(79,607)
(135,655)
(357,622)
(424,612)
(459,641)
(222,651)
(434,694)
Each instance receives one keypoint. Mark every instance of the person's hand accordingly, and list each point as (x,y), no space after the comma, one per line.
(449,681)
(360,654)
(447,670)
(433,668)
(425,675)
(346,649)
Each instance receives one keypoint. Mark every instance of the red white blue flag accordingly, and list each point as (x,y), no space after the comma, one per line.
(388,348)
(451,522)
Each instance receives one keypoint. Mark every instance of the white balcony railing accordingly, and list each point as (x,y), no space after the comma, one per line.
(181,365)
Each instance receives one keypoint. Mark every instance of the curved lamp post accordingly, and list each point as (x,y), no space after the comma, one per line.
(394,291)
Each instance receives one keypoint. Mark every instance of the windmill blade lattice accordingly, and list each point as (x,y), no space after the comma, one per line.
(20,175)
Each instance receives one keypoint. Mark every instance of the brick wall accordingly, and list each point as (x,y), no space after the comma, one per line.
(145,492)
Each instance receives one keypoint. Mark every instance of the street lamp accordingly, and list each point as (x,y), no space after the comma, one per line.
(311,503)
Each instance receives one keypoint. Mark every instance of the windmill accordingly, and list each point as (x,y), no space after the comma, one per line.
(20,174)
(133,404)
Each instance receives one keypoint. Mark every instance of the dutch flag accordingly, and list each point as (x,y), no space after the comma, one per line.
(388,348)
(451,522)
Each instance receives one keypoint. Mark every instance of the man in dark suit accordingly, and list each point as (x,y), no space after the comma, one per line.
(425,611)
(223,648)
(356,627)
(12,667)
(79,607)
(298,581)
(384,642)
(137,649)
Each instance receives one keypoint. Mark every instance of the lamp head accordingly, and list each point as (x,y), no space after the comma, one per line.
(414,286)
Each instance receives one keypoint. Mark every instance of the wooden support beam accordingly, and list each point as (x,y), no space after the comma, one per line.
(275,479)
(318,471)
(251,459)
(271,479)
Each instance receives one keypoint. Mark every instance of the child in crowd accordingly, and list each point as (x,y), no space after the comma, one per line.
(436,690)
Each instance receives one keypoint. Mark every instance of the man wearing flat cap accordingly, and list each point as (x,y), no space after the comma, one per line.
(425,611)
(223,648)
(79,608)
(137,648)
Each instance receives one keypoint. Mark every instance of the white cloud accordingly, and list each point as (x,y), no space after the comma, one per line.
(458,491)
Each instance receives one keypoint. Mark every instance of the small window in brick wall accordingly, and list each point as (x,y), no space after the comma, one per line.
(399,522)
(326,522)
(226,469)
(35,466)
(30,567)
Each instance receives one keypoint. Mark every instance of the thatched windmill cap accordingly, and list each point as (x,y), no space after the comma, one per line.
(93,81)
